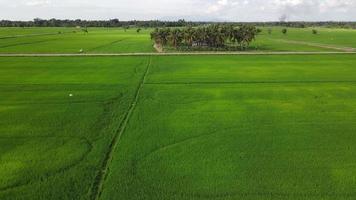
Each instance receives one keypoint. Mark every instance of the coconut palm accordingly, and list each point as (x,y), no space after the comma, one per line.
(176,37)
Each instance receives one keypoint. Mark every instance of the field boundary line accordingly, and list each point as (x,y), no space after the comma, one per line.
(99,181)
(27,43)
(320,45)
(166,54)
(247,82)
(33,35)
(106,45)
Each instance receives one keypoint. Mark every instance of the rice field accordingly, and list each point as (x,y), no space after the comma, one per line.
(219,127)
(57,117)
(117,40)
(265,127)
(72,40)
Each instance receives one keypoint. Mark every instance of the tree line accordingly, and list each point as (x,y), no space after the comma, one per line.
(212,36)
(37,22)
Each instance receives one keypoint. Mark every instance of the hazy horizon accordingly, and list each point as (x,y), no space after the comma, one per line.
(190,10)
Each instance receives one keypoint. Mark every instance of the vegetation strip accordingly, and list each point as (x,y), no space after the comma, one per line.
(170,54)
(102,174)
(248,82)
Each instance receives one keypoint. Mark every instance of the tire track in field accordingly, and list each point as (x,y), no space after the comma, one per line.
(266,53)
(181,142)
(248,82)
(266,194)
(188,139)
(50,173)
(100,102)
(98,183)
(325,46)
(32,35)
(106,45)
(27,43)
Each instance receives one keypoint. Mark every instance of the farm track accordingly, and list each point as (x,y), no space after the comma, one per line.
(325,46)
(164,54)
(97,186)
(27,43)
(21,103)
(107,45)
(248,82)
(188,139)
(32,35)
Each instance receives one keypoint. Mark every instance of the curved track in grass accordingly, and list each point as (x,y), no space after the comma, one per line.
(89,146)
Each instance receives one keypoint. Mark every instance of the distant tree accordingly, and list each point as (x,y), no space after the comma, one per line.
(215,36)
(176,37)
(270,31)
(161,36)
(284,31)
(138,30)
(315,31)
(126,28)
(188,35)
(85,30)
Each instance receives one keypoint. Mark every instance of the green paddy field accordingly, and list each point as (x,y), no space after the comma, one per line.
(192,127)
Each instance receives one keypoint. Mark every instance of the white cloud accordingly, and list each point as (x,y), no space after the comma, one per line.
(225,10)
(38,3)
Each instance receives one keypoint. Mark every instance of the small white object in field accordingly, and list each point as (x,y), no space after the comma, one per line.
(81,50)
(70,95)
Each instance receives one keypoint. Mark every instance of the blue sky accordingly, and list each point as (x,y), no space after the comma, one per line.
(216,10)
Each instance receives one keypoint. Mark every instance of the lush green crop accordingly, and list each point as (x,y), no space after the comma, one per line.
(115,40)
(338,37)
(240,127)
(199,127)
(57,119)
(97,40)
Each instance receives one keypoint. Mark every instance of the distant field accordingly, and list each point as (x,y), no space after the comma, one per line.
(116,40)
(14,31)
(52,144)
(98,40)
(246,127)
(338,37)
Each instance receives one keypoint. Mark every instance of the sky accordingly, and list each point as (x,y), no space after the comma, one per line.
(190,10)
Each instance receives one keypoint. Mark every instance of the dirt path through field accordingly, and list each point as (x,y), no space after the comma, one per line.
(99,181)
(158,48)
(326,46)
(166,54)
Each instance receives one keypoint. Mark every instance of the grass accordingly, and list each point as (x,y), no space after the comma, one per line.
(14,31)
(230,127)
(116,40)
(337,37)
(52,144)
(196,127)
(98,40)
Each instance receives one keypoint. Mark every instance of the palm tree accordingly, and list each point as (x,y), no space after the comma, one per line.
(176,37)
(211,36)
(188,35)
